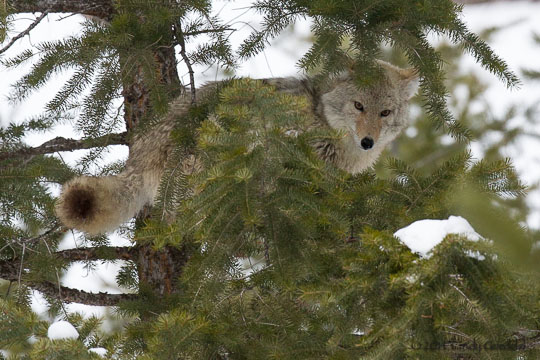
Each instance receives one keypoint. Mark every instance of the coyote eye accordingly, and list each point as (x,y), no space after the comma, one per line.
(385,113)
(358,106)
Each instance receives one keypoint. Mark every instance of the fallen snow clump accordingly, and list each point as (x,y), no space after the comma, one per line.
(423,235)
(62,330)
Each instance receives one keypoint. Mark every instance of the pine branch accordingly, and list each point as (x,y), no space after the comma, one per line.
(207,31)
(51,231)
(99,253)
(69,295)
(63,144)
(25,32)
(103,9)
(9,270)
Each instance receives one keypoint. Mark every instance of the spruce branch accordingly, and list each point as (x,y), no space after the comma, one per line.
(9,270)
(69,295)
(25,32)
(207,31)
(53,231)
(98,253)
(103,9)
(63,144)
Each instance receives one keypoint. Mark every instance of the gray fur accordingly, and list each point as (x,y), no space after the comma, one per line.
(99,204)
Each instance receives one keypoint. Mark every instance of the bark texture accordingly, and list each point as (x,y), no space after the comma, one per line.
(63,144)
(103,9)
(11,271)
(160,269)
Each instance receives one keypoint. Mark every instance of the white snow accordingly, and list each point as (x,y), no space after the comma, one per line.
(62,330)
(101,278)
(250,265)
(423,235)
(100,351)
(513,43)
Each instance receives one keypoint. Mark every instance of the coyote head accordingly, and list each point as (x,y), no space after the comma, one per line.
(375,115)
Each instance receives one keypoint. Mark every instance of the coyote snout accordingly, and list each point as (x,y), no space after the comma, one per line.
(367,143)
(368,128)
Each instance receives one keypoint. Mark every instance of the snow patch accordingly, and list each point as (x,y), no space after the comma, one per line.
(62,330)
(32,339)
(100,351)
(423,235)
(250,265)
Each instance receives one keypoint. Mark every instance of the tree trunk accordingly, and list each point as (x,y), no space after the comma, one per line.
(158,270)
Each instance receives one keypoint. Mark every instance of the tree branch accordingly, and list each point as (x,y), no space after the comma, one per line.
(25,32)
(63,144)
(69,295)
(103,9)
(99,253)
(9,270)
(181,41)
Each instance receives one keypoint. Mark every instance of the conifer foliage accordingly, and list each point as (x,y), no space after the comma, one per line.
(267,251)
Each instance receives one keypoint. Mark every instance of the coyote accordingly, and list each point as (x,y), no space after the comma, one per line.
(370,118)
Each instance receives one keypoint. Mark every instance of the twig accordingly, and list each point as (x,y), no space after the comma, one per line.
(57,281)
(205,31)
(182,43)
(25,32)
(19,275)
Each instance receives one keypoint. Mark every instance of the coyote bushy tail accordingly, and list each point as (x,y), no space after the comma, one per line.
(96,205)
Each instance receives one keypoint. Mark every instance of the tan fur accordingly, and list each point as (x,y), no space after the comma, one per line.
(99,204)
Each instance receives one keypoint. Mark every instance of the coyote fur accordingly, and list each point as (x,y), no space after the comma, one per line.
(369,118)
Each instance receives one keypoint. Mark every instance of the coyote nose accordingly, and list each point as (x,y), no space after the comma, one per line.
(367,143)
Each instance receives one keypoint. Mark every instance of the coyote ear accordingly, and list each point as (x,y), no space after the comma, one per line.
(407,78)
(409,81)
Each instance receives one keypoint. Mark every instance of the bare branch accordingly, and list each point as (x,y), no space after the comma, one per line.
(25,32)
(99,253)
(206,31)
(180,39)
(103,9)
(63,144)
(9,270)
(69,295)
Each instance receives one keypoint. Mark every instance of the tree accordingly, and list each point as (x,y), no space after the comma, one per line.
(335,282)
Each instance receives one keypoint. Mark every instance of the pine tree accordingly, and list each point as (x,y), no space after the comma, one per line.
(271,252)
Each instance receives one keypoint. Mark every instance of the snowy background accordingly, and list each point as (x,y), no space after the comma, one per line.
(514,44)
